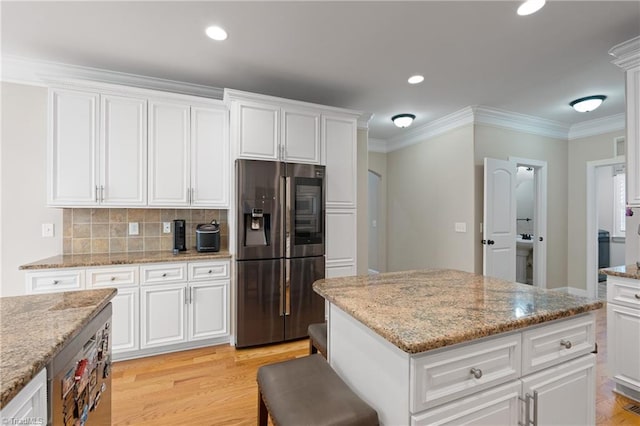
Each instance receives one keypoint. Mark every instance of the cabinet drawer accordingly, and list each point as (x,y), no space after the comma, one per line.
(623,291)
(163,273)
(203,271)
(454,373)
(555,343)
(110,277)
(53,281)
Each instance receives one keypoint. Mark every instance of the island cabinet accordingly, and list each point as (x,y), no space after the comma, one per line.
(120,146)
(159,307)
(29,406)
(449,347)
(623,333)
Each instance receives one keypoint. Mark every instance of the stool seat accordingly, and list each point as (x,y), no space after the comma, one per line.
(318,338)
(306,391)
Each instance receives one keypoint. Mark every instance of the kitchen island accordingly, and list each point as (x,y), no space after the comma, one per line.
(444,346)
(36,328)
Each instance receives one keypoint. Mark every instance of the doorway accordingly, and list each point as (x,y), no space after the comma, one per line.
(374,221)
(605,220)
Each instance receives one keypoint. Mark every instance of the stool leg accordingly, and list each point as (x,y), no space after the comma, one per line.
(263,414)
(312,349)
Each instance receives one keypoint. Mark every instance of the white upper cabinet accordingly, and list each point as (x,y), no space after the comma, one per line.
(169,136)
(73,148)
(268,128)
(209,157)
(301,135)
(127,147)
(339,139)
(123,151)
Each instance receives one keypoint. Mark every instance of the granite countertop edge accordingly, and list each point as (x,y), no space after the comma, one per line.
(88,260)
(623,271)
(9,390)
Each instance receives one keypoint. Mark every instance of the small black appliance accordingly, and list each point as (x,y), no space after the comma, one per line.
(208,237)
(179,235)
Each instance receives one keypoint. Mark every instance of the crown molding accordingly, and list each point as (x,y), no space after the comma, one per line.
(431,130)
(363,120)
(598,126)
(42,73)
(520,122)
(377,145)
(627,53)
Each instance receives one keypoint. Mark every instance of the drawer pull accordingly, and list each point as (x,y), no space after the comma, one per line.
(477,373)
(56,282)
(113,278)
(566,343)
(164,274)
(637,296)
(211,272)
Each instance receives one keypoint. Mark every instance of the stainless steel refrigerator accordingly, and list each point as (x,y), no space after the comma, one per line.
(280,250)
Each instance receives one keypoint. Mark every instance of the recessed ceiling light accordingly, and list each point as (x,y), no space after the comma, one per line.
(415,79)
(216,33)
(403,120)
(530,6)
(588,103)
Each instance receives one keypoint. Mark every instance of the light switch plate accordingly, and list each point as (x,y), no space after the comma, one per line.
(166,227)
(133,228)
(461,227)
(47,230)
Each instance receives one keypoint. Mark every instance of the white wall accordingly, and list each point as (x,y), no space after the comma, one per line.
(23,181)
(501,143)
(430,187)
(363,230)
(378,165)
(581,151)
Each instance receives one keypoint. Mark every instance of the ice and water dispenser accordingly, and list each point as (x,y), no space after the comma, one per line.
(257,225)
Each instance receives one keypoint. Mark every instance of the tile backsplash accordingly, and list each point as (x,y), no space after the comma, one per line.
(88,231)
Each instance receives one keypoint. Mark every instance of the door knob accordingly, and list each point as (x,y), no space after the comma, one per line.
(541,239)
(491,242)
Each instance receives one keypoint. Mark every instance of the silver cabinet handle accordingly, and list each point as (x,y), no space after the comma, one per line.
(113,278)
(210,271)
(164,274)
(527,410)
(101,193)
(96,193)
(535,408)
(566,343)
(637,296)
(56,282)
(477,373)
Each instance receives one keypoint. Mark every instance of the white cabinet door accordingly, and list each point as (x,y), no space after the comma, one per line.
(208,310)
(341,242)
(123,151)
(301,135)
(209,157)
(633,135)
(73,148)
(623,343)
(126,320)
(257,130)
(565,393)
(163,315)
(339,141)
(29,406)
(169,177)
(496,406)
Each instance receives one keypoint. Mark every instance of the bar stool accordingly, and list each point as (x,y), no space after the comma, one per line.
(318,338)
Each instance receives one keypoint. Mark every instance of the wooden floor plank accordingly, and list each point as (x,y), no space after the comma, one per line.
(217,386)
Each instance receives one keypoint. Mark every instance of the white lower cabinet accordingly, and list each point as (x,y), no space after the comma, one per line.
(208,311)
(126,320)
(29,406)
(164,314)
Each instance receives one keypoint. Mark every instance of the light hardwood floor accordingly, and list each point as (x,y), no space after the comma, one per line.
(217,386)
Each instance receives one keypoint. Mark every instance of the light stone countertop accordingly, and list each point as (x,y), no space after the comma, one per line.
(427,309)
(34,329)
(107,259)
(624,271)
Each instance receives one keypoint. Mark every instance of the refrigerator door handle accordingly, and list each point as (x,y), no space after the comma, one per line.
(287,217)
(287,287)
(281,307)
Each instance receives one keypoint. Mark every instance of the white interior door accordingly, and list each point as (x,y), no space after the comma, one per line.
(499,230)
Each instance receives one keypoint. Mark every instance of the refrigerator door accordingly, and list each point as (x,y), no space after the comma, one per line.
(259,209)
(260,302)
(302,305)
(304,210)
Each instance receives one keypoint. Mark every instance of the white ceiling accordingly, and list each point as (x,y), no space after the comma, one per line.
(350,54)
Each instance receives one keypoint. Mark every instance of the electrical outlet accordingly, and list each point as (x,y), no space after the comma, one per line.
(166,227)
(461,227)
(133,228)
(47,230)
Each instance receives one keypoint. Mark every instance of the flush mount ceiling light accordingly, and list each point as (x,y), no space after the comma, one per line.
(216,33)
(403,120)
(415,79)
(530,6)
(588,103)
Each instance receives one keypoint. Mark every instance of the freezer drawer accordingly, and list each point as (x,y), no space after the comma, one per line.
(260,305)
(303,306)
